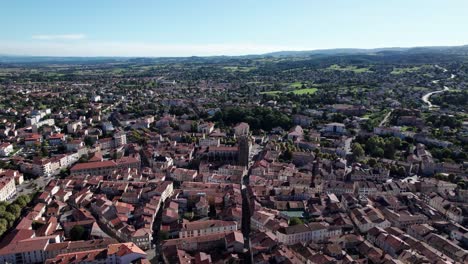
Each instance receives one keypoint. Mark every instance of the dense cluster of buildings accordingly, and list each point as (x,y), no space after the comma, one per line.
(112,186)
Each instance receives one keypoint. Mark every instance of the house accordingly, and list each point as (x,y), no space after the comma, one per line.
(365,188)
(346,109)
(54,249)
(56,139)
(207,227)
(38,167)
(235,242)
(302,120)
(206,128)
(7,188)
(450,210)
(241,129)
(113,254)
(202,207)
(26,249)
(180,174)
(390,243)
(33,139)
(304,233)
(259,219)
(447,247)
(75,145)
(367,218)
(19,179)
(334,128)
(6,149)
(94,168)
(73,127)
(107,127)
(296,133)
(302,158)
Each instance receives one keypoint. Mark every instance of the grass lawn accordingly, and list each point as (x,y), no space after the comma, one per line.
(311,90)
(237,68)
(296,85)
(305,91)
(405,70)
(271,92)
(336,67)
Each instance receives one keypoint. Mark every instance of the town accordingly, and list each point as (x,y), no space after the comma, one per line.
(267,159)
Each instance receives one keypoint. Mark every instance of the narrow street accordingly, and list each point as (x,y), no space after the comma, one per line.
(154,253)
(385,120)
(246,206)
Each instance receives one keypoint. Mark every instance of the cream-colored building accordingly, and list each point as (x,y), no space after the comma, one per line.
(7,188)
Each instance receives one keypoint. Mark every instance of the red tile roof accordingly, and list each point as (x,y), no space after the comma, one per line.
(94,165)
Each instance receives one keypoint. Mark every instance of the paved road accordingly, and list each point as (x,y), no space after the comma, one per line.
(27,187)
(385,118)
(427,96)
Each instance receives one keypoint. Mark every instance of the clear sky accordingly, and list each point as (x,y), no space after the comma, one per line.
(224,27)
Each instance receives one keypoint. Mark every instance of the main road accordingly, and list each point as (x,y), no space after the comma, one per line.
(427,96)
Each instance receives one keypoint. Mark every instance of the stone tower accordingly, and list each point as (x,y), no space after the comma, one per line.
(244,151)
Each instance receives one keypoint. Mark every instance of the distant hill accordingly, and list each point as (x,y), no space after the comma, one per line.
(397,52)
(462,50)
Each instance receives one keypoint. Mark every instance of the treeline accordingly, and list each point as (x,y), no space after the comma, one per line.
(257,117)
(9,212)
(444,120)
(451,99)
(379,147)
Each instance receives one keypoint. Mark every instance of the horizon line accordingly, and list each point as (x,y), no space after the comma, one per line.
(224,55)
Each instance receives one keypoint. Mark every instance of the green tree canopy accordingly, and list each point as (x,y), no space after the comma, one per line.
(10,218)
(295,221)
(358,150)
(14,209)
(77,233)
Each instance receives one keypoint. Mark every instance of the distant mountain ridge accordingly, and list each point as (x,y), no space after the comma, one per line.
(449,50)
(349,51)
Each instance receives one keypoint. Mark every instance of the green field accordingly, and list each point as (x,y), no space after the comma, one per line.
(298,91)
(336,67)
(238,68)
(272,92)
(406,70)
(305,91)
(296,85)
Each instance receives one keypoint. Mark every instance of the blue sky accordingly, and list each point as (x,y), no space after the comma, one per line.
(224,27)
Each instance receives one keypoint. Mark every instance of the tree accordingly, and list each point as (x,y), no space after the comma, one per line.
(389,151)
(163,235)
(22,200)
(88,141)
(374,146)
(401,171)
(287,154)
(372,162)
(188,215)
(462,185)
(3,222)
(295,221)
(3,226)
(14,209)
(194,127)
(451,178)
(10,218)
(212,212)
(358,150)
(378,152)
(77,233)
(44,151)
